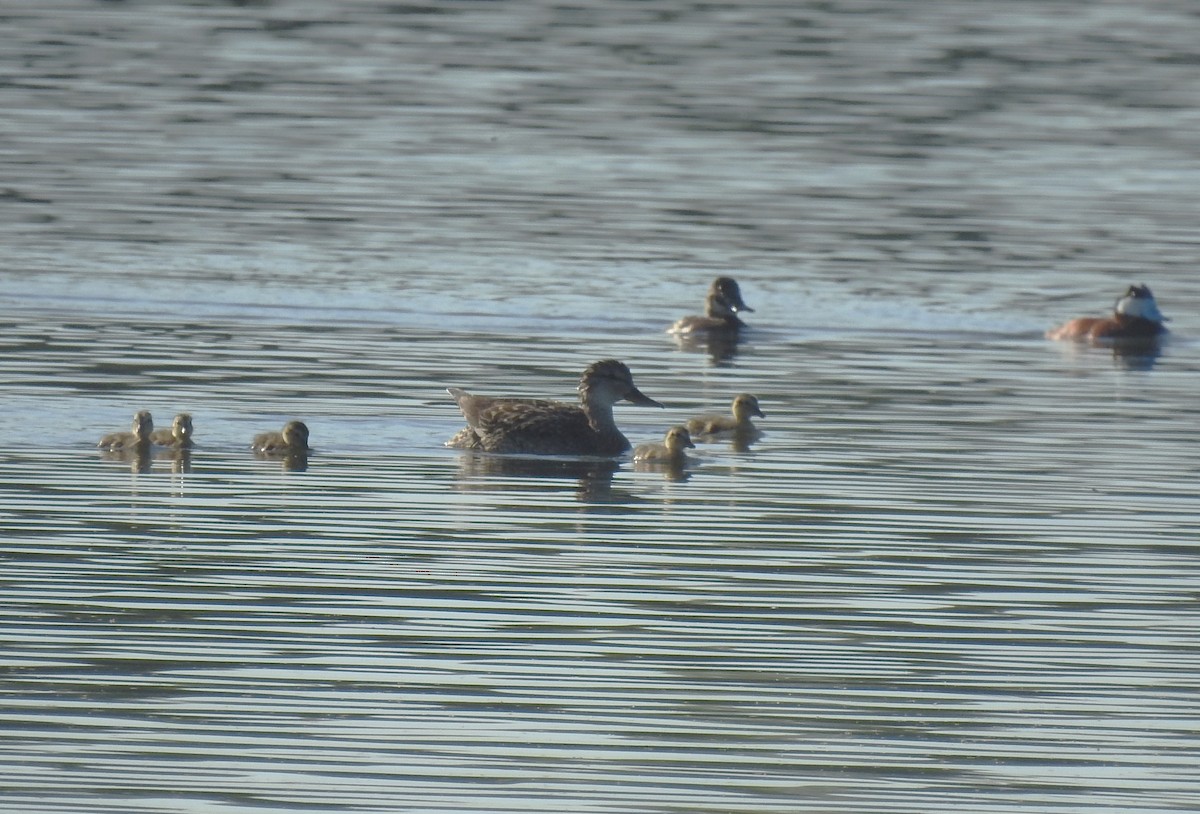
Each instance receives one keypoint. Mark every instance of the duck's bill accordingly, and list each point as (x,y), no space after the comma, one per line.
(638,397)
(739,307)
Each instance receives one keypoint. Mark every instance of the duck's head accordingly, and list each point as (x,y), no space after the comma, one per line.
(678,439)
(295,434)
(181,427)
(610,381)
(1139,302)
(725,292)
(745,406)
(143,424)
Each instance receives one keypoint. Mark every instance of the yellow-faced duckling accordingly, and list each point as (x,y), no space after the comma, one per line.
(671,451)
(179,435)
(1135,317)
(541,427)
(721,307)
(292,440)
(137,437)
(744,406)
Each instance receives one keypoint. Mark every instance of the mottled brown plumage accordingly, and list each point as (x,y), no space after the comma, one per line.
(543,427)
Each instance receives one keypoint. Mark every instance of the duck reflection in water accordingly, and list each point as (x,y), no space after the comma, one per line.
(593,476)
(289,446)
(180,458)
(138,457)
(1136,355)
(719,329)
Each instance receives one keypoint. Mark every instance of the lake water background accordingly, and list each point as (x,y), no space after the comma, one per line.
(959,572)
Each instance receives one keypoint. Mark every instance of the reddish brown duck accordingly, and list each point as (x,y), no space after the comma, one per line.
(1135,317)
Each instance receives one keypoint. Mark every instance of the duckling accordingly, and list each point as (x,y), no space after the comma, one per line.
(1135,317)
(543,427)
(292,440)
(179,435)
(721,308)
(670,452)
(744,406)
(138,437)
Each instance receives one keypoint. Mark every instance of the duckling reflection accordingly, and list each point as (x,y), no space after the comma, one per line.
(139,436)
(721,308)
(138,457)
(180,458)
(289,446)
(179,435)
(1135,319)
(543,427)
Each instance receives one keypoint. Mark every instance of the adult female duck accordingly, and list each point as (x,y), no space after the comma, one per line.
(542,427)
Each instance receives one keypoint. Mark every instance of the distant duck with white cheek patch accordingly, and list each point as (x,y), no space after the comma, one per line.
(1135,317)
(721,309)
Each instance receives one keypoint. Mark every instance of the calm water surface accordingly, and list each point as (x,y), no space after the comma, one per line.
(958,573)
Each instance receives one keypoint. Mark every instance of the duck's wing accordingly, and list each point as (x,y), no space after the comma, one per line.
(268,441)
(113,439)
(535,426)
(709,424)
(164,437)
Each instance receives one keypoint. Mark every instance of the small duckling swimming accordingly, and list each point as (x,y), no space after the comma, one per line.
(721,309)
(138,437)
(292,440)
(179,435)
(670,452)
(744,406)
(1135,317)
(543,427)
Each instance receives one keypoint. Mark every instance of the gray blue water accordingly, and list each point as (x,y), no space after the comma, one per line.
(958,573)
